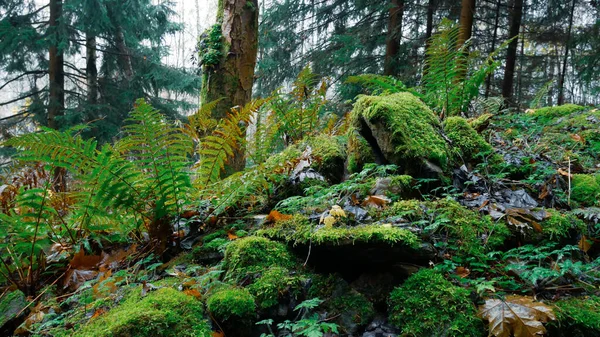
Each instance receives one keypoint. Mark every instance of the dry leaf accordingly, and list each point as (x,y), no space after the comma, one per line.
(193,292)
(462,271)
(275,216)
(563,172)
(378,201)
(112,260)
(578,138)
(585,244)
(81,268)
(517,316)
(231,235)
(97,313)
(218,334)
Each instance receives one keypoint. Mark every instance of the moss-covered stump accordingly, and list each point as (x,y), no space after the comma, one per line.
(576,317)
(402,130)
(429,305)
(165,312)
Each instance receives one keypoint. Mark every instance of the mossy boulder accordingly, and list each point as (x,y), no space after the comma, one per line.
(429,305)
(254,255)
(559,225)
(360,152)
(11,303)
(401,130)
(273,284)
(576,317)
(585,189)
(231,305)
(466,142)
(165,312)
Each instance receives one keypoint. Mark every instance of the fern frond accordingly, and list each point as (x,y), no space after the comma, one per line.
(374,84)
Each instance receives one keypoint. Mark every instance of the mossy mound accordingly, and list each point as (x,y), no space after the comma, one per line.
(401,129)
(585,189)
(467,143)
(561,225)
(231,304)
(273,284)
(299,230)
(254,255)
(576,317)
(550,113)
(446,221)
(11,304)
(429,305)
(165,312)
(360,152)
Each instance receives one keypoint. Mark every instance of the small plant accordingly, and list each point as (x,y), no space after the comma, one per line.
(307,324)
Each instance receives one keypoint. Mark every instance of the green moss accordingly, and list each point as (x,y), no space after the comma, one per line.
(480,122)
(429,305)
(548,113)
(359,152)
(231,304)
(585,189)
(354,305)
(10,305)
(577,317)
(273,284)
(299,230)
(558,225)
(413,125)
(165,312)
(467,142)
(466,232)
(254,255)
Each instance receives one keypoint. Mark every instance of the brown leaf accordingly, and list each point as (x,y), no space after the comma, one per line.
(218,334)
(378,201)
(517,316)
(578,138)
(231,235)
(112,260)
(193,292)
(462,271)
(97,313)
(563,172)
(81,268)
(585,244)
(275,216)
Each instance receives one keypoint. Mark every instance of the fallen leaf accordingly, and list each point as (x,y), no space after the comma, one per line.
(563,172)
(97,313)
(231,235)
(585,244)
(193,292)
(218,334)
(275,216)
(462,271)
(378,201)
(81,268)
(517,316)
(578,138)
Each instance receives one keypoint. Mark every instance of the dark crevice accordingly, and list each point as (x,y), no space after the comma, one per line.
(367,134)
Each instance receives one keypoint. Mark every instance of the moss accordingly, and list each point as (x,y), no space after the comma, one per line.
(585,189)
(548,113)
(466,232)
(429,305)
(231,304)
(559,225)
(11,304)
(273,284)
(412,124)
(359,152)
(469,144)
(253,255)
(165,312)
(576,317)
(299,230)
(355,306)
(480,122)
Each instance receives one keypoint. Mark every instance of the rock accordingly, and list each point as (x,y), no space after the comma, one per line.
(10,305)
(380,328)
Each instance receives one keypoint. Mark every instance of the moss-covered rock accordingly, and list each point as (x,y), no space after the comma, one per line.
(553,112)
(299,230)
(360,152)
(559,225)
(576,317)
(273,284)
(585,189)
(165,312)
(231,305)
(404,130)
(429,305)
(254,255)
(11,303)
(467,143)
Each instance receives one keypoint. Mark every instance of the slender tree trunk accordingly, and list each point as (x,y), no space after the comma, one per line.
(394,35)
(561,80)
(488,80)
(520,72)
(91,71)
(516,11)
(233,77)
(467,14)
(428,31)
(56,81)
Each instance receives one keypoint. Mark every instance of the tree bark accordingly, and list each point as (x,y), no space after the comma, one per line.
(56,81)
(488,80)
(394,35)
(91,71)
(561,80)
(516,10)
(467,14)
(233,77)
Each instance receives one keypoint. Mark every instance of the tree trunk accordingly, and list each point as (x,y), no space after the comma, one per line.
(233,77)
(561,80)
(394,35)
(56,81)
(428,31)
(488,80)
(91,71)
(516,11)
(466,21)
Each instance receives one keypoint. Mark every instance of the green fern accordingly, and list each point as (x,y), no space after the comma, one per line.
(372,84)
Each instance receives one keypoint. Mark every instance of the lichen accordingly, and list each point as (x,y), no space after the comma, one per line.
(231,304)
(299,230)
(165,312)
(466,142)
(412,125)
(429,305)
(585,189)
